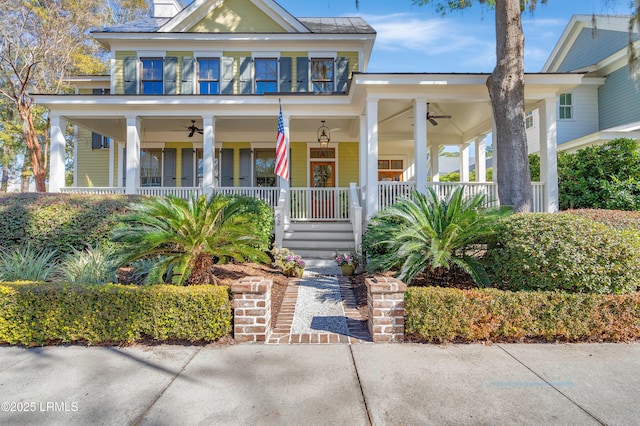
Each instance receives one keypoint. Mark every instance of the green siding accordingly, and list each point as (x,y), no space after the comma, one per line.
(348,164)
(298,164)
(119,70)
(93,164)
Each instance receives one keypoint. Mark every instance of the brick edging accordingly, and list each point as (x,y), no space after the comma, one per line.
(385,299)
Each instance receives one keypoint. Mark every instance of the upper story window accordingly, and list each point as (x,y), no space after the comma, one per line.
(266,75)
(152,76)
(528,120)
(322,75)
(566,106)
(209,76)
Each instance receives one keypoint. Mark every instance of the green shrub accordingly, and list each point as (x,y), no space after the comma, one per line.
(261,218)
(622,220)
(38,314)
(587,177)
(437,314)
(60,222)
(27,264)
(90,266)
(541,251)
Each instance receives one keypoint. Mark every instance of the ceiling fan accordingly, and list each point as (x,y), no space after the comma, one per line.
(431,117)
(193,129)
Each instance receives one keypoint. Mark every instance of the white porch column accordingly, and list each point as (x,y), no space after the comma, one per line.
(133,155)
(75,156)
(120,164)
(372,157)
(435,162)
(481,158)
(112,160)
(56,153)
(420,144)
(363,154)
(464,162)
(548,154)
(285,122)
(208,154)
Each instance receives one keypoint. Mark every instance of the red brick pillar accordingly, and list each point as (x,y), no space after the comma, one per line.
(385,297)
(251,309)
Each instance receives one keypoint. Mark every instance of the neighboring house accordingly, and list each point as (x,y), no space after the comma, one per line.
(606,105)
(192,101)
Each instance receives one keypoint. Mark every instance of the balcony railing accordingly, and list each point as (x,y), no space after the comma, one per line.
(323,204)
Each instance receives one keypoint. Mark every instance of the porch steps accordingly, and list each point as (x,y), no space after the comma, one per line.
(318,242)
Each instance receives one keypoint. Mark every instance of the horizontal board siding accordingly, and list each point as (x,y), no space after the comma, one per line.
(585,115)
(348,164)
(619,100)
(353,61)
(118,70)
(298,163)
(93,164)
(590,48)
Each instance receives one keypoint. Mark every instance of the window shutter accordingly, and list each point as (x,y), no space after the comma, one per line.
(187,167)
(246,76)
(285,75)
(188,74)
(170,71)
(342,74)
(227,76)
(96,140)
(302,75)
(169,167)
(130,75)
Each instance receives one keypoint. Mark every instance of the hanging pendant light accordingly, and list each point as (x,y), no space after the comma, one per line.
(324,135)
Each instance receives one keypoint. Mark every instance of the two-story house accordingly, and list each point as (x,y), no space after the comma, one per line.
(192,100)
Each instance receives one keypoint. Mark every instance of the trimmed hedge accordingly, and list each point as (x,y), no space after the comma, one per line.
(439,315)
(542,251)
(38,314)
(618,219)
(60,221)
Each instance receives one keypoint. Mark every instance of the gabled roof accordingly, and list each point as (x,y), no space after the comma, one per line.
(587,40)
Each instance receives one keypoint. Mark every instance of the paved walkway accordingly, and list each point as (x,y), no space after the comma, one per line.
(410,384)
(319,308)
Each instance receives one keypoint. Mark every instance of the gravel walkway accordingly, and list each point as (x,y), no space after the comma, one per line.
(319,307)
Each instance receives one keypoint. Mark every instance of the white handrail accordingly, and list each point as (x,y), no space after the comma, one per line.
(92,190)
(266,194)
(279,217)
(163,191)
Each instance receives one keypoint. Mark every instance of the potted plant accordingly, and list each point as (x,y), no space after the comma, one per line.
(290,263)
(348,262)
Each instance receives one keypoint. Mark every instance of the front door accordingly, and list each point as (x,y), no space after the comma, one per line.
(323,175)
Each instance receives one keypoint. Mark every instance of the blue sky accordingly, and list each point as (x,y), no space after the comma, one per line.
(417,39)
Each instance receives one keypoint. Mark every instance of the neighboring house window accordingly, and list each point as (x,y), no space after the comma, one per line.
(209,76)
(152,76)
(264,166)
(528,120)
(150,167)
(322,75)
(101,91)
(566,106)
(266,75)
(99,141)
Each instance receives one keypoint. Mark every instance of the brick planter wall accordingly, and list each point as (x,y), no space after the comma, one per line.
(385,297)
(251,309)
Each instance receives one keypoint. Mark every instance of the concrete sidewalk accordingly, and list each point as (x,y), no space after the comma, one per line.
(322,384)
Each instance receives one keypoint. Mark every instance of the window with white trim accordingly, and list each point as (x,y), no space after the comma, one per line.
(266,75)
(152,76)
(566,106)
(150,167)
(208,76)
(322,75)
(528,120)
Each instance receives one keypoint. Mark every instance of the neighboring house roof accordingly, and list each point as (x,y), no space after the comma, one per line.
(588,40)
(144,25)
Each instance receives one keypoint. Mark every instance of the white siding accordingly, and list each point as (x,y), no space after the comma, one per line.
(585,115)
(533,134)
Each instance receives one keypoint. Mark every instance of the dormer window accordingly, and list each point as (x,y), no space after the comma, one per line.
(266,75)
(322,75)
(209,76)
(152,76)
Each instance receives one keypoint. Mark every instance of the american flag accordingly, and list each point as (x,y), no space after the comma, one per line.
(282,153)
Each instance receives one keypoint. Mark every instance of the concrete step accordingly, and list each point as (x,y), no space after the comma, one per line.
(324,254)
(319,226)
(318,235)
(336,245)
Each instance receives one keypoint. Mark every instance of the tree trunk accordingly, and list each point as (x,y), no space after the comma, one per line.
(4,181)
(38,163)
(506,88)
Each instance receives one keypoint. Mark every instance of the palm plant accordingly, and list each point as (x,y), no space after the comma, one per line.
(185,237)
(27,264)
(428,233)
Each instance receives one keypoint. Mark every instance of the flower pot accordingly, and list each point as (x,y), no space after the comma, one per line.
(299,272)
(347,270)
(293,272)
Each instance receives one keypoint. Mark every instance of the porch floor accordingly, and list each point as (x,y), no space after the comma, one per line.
(325,311)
